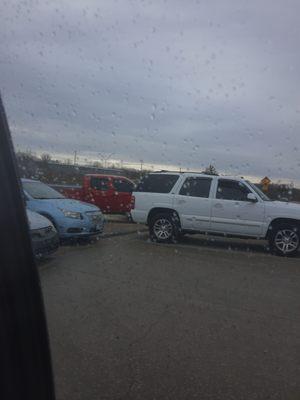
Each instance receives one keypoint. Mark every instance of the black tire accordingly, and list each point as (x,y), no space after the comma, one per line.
(163,228)
(285,240)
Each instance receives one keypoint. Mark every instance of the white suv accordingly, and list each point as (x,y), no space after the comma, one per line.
(173,204)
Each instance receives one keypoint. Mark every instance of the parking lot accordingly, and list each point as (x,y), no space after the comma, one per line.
(202,319)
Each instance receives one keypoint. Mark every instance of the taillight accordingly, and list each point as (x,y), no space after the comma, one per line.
(132,202)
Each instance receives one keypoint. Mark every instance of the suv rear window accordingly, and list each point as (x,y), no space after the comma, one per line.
(123,186)
(157,183)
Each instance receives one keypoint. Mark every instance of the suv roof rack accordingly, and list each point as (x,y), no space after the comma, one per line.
(184,172)
(166,170)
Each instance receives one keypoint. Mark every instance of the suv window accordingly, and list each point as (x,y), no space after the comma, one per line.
(157,183)
(100,183)
(232,190)
(196,187)
(123,186)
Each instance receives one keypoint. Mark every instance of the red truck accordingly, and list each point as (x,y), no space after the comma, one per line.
(112,194)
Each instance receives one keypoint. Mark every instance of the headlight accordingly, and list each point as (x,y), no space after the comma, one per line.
(72,214)
(50,228)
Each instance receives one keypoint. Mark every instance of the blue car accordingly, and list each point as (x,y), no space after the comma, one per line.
(71,218)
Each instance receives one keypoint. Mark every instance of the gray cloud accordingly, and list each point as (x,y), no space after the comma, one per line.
(168,82)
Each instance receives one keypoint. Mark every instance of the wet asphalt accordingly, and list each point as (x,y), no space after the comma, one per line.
(203,319)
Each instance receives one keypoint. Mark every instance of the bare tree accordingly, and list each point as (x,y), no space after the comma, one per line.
(211,170)
(26,155)
(97,164)
(46,157)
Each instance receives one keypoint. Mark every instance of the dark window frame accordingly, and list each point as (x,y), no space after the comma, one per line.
(24,343)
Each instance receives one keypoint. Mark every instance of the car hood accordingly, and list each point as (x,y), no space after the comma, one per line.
(70,205)
(37,221)
(287,208)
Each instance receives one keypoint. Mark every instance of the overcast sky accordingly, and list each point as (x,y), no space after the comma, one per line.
(178,83)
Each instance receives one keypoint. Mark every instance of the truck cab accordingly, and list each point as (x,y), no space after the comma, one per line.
(111,193)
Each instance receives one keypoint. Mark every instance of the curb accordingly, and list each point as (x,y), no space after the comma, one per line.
(115,221)
(124,233)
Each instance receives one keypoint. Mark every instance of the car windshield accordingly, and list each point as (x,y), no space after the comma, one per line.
(39,190)
(261,194)
(151,118)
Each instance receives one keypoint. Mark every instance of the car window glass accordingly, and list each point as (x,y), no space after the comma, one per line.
(122,185)
(196,187)
(39,190)
(260,193)
(157,183)
(155,119)
(100,183)
(232,190)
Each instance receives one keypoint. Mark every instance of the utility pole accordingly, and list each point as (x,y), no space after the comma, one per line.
(105,158)
(75,157)
(142,162)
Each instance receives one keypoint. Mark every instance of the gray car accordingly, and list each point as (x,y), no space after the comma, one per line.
(44,236)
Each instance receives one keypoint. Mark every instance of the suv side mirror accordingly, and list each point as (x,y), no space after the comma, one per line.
(251,197)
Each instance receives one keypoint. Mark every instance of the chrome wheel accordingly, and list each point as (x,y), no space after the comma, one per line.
(286,241)
(163,229)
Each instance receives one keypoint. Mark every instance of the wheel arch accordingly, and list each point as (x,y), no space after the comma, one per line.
(278,221)
(48,216)
(160,210)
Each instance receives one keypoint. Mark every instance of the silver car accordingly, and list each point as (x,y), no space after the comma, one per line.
(44,236)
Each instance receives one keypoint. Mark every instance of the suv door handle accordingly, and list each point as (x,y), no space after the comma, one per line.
(218,205)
